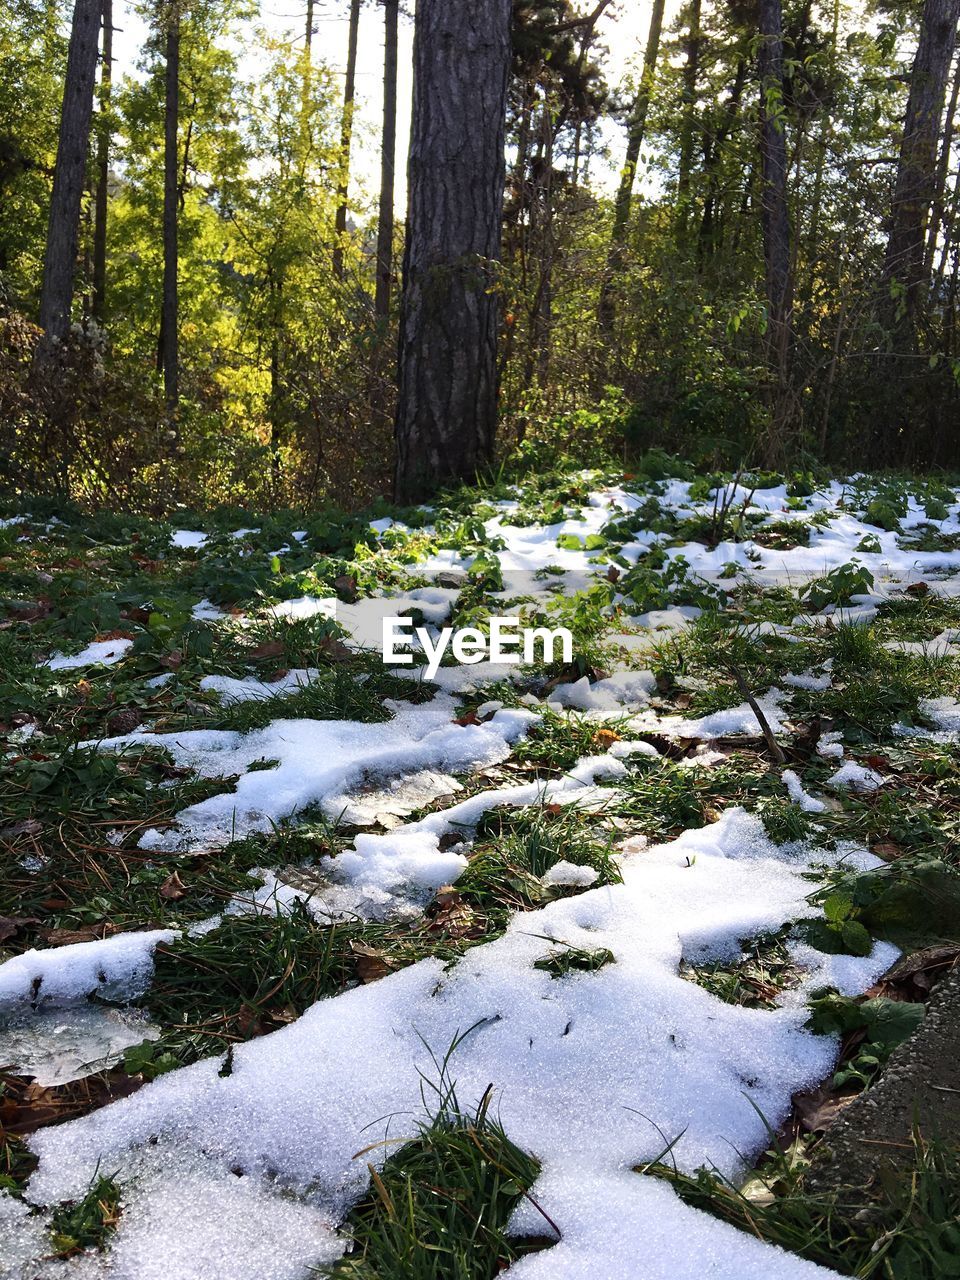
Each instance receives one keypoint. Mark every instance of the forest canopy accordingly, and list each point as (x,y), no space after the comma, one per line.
(200,303)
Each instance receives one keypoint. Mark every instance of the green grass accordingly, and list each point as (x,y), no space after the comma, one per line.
(560,963)
(87,1223)
(904,1226)
(755,981)
(439,1207)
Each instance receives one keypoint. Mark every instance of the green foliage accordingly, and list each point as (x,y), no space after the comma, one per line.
(87,1223)
(439,1207)
(885,1024)
(567,960)
(903,1228)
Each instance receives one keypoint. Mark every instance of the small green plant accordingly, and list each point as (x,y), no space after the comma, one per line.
(87,1223)
(884,1024)
(439,1208)
(837,586)
(574,960)
(902,1227)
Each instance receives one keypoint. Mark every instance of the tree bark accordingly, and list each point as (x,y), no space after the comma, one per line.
(904,274)
(59,266)
(943,170)
(447,399)
(346,136)
(388,149)
(103,167)
(621,209)
(168,346)
(775,217)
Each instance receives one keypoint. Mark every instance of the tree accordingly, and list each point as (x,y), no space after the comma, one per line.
(346,135)
(168,356)
(103,166)
(56,296)
(915,184)
(447,396)
(388,147)
(621,210)
(775,217)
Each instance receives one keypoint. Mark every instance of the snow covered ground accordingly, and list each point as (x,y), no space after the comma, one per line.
(250,1172)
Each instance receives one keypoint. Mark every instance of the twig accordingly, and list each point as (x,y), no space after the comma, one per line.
(772,745)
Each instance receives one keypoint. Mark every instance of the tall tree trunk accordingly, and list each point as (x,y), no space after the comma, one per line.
(691,71)
(447,400)
(346,136)
(775,216)
(168,347)
(904,267)
(56,295)
(103,167)
(943,170)
(388,147)
(621,209)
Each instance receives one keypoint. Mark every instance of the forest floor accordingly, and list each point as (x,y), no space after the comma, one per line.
(312,964)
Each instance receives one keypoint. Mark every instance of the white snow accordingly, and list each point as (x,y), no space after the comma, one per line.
(188,539)
(317,763)
(576,1082)
(856,776)
(112,968)
(103,653)
(807,802)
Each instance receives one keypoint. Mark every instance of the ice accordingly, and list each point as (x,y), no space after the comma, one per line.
(305,607)
(402,797)
(719,724)
(205,611)
(103,653)
(23,1239)
(55,1046)
(117,968)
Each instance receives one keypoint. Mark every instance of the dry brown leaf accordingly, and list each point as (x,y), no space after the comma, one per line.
(173,888)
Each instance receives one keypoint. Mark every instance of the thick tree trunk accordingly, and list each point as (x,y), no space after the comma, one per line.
(621,209)
(388,147)
(447,401)
(943,170)
(169,316)
(346,136)
(904,273)
(56,296)
(103,167)
(775,217)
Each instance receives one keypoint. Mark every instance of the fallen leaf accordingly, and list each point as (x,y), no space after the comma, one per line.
(173,888)
(372,965)
(917,589)
(11,925)
(269,649)
(124,721)
(334,649)
(346,587)
(67,937)
(28,827)
(606,738)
